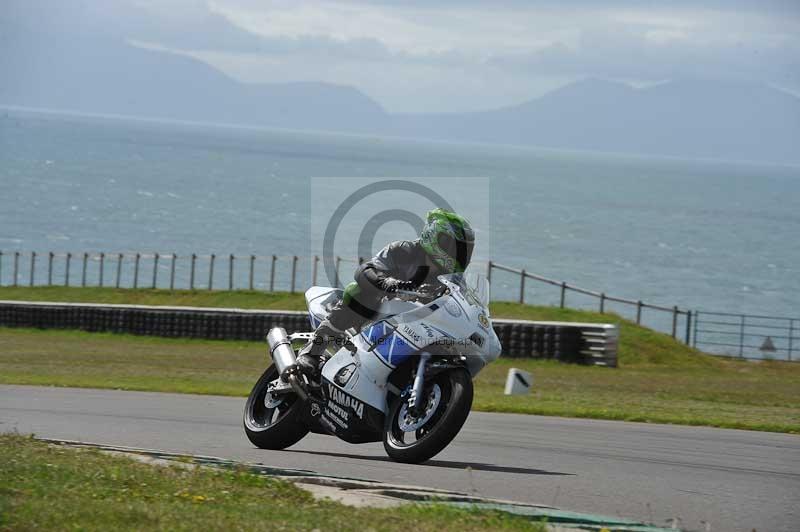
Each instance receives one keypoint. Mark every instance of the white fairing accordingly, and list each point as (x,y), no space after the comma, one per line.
(458,320)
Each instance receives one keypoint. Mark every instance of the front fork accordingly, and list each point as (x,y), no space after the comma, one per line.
(417,388)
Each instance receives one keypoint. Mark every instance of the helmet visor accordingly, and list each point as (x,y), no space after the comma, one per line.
(459,250)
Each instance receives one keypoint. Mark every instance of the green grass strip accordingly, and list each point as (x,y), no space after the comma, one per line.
(48,487)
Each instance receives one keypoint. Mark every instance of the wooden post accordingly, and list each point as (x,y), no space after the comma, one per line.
(191,272)
(791,332)
(119,269)
(155,271)
(102,264)
(674,321)
(230,271)
(136,270)
(66,273)
(294,272)
(83,272)
(336,273)
(694,335)
(272,274)
(522,286)
(314,272)
(172,272)
(32,275)
(688,326)
(602,303)
(211,271)
(741,338)
(50,269)
(252,268)
(16,268)
(638,312)
(563,293)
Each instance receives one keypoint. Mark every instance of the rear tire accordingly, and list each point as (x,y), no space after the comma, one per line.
(455,401)
(273,423)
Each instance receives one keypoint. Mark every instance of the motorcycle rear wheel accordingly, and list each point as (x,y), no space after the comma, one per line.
(273,422)
(450,395)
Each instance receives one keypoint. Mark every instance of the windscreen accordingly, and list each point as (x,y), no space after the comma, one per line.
(474,286)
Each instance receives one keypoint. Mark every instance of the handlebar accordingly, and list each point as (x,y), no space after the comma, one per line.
(412,295)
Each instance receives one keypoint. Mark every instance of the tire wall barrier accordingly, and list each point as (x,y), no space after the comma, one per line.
(581,343)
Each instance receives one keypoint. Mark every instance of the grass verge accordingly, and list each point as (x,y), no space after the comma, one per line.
(144,296)
(48,487)
(702,391)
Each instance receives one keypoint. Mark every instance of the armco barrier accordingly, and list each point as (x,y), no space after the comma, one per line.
(582,343)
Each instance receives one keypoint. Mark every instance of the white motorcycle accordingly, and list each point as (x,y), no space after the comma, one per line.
(404,379)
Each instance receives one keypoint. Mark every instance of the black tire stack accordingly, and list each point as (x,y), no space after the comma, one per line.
(519,339)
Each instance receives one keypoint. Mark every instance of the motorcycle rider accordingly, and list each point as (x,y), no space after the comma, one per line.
(444,246)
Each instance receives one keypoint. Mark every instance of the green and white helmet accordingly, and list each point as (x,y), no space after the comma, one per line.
(448,239)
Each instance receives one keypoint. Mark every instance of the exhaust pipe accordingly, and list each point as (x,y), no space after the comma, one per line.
(280,349)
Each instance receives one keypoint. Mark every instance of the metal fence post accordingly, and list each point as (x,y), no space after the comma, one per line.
(83,271)
(172,272)
(522,286)
(102,265)
(252,267)
(230,271)
(136,270)
(16,268)
(272,274)
(211,271)
(638,312)
(688,326)
(155,270)
(602,302)
(191,272)
(119,270)
(489,272)
(314,271)
(50,269)
(694,334)
(563,293)
(32,275)
(294,272)
(336,272)
(741,338)
(791,332)
(674,321)
(66,273)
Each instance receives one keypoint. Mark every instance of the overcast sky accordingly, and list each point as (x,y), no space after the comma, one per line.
(447,55)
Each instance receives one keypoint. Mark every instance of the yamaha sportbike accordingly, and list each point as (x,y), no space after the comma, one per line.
(404,379)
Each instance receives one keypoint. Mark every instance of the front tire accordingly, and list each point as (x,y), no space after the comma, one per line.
(273,422)
(450,396)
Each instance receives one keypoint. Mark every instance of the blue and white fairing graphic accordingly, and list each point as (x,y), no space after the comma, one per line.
(388,344)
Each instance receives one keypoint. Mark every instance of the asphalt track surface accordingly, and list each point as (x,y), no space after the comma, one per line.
(731,479)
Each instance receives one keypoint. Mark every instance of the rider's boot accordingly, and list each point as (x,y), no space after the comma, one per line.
(309,356)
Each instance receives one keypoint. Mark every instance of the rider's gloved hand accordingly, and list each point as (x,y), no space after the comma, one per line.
(392,285)
(429,289)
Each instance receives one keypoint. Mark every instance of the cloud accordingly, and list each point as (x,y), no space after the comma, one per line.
(448,54)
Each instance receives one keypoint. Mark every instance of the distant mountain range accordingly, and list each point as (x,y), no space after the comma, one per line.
(682,118)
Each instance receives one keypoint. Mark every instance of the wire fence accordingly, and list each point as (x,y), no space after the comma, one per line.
(746,336)
(679,321)
(165,270)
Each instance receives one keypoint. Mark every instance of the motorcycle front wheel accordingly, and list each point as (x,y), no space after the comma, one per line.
(446,402)
(273,422)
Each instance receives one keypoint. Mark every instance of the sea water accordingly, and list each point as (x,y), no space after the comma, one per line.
(698,234)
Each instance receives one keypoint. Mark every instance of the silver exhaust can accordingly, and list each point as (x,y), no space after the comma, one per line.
(280,349)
